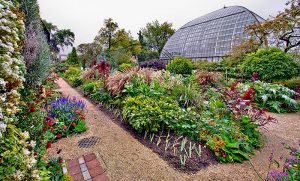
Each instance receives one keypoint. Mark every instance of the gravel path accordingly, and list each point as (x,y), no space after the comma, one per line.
(125,158)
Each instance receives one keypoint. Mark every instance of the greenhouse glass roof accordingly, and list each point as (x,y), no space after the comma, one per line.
(210,36)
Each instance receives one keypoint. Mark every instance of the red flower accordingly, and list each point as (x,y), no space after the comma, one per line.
(60,160)
(48,145)
(52,130)
(73,124)
(82,117)
(31,107)
(48,123)
(48,118)
(78,111)
(64,127)
(58,136)
(54,121)
(248,95)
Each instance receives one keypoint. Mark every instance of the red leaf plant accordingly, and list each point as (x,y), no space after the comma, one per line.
(104,69)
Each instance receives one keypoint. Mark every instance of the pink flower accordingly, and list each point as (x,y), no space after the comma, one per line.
(64,127)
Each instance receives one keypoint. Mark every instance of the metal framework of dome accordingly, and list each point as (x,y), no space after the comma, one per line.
(210,36)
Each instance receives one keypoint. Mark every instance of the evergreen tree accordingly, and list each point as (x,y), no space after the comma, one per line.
(73,57)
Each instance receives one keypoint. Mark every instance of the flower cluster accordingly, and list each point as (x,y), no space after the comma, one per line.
(290,168)
(65,117)
(11,62)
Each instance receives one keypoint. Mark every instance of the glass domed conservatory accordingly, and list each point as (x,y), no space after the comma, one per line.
(210,36)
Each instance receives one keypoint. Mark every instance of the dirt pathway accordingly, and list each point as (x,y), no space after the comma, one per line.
(125,158)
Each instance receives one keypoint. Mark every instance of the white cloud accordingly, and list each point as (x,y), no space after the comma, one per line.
(85,17)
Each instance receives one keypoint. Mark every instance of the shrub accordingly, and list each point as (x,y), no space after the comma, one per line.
(90,87)
(271,65)
(60,67)
(75,81)
(90,74)
(125,66)
(155,64)
(180,65)
(153,114)
(208,66)
(101,96)
(17,160)
(72,72)
(205,77)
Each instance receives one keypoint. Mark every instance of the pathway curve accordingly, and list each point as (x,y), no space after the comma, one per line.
(125,158)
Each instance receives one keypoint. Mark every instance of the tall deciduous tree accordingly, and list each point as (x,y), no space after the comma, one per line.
(107,33)
(283,30)
(64,37)
(155,35)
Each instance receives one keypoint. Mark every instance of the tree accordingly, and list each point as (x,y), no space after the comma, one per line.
(107,33)
(283,29)
(49,26)
(125,41)
(64,37)
(73,57)
(88,53)
(155,35)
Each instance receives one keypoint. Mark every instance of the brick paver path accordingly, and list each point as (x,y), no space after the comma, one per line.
(86,168)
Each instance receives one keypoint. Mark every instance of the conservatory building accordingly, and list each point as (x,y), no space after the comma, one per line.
(210,36)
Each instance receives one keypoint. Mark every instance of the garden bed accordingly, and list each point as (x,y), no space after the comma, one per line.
(192,165)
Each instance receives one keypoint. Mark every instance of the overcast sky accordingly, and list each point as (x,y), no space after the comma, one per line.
(85,17)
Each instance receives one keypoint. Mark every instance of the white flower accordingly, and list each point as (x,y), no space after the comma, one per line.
(26,135)
(32,143)
(26,151)
(2,126)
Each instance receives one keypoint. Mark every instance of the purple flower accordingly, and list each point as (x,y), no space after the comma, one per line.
(272,173)
(284,174)
(271,157)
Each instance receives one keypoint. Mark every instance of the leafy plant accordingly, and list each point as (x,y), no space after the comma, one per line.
(125,66)
(274,97)
(101,95)
(90,87)
(271,65)
(180,65)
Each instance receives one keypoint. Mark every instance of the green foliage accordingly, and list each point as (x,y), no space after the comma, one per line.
(36,50)
(274,97)
(206,65)
(180,65)
(101,96)
(152,114)
(73,57)
(125,66)
(72,72)
(292,83)
(90,87)
(75,81)
(155,35)
(80,126)
(271,65)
